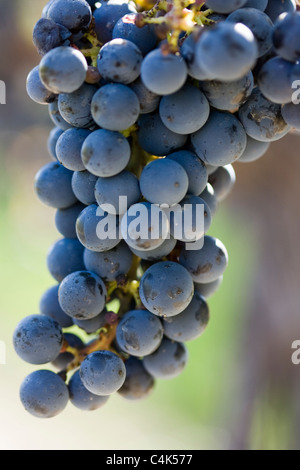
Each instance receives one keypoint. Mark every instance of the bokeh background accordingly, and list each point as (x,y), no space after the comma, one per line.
(240,389)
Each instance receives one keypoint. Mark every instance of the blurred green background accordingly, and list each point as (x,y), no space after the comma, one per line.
(240,389)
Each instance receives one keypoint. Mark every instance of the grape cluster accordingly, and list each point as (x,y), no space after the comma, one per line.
(151,107)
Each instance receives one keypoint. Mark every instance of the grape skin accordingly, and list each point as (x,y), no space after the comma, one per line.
(172,72)
(38,339)
(36,90)
(110,264)
(81,398)
(120,61)
(82,295)
(44,394)
(105,153)
(103,373)
(64,257)
(259,23)
(138,383)
(227,52)
(196,108)
(156,189)
(68,148)
(65,220)
(50,307)
(222,148)
(208,264)
(83,185)
(115,107)
(190,324)
(168,361)
(109,190)
(139,333)
(166,289)
(262,119)
(63,70)
(53,186)
(195,170)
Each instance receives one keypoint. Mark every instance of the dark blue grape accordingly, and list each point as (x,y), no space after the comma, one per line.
(103,373)
(110,264)
(47,35)
(275,80)
(138,383)
(224,7)
(120,61)
(207,264)
(75,15)
(228,96)
(109,190)
(81,397)
(209,289)
(223,180)
(148,101)
(158,189)
(191,323)
(44,394)
(53,186)
(185,224)
(36,90)
(54,135)
(195,170)
(65,220)
(144,38)
(166,289)
(156,253)
(64,257)
(75,107)
(63,70)
(97,230)
(115,107)
(105,153)
(208,195)
(188,52)
(163,74)
(92,325)
(50,307)
(83,185)
(260,25)
(228,51)
(291,115)
(224,146)
(196,110)
(139,333)
(65,358)
(56,117)
(145,226)
(285,34)
(82,295)
(168,361)
(276,7)
(255,149)
(68,148)
(262,119)
(38,339)
(155,138)
(107,16)
(258,4)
